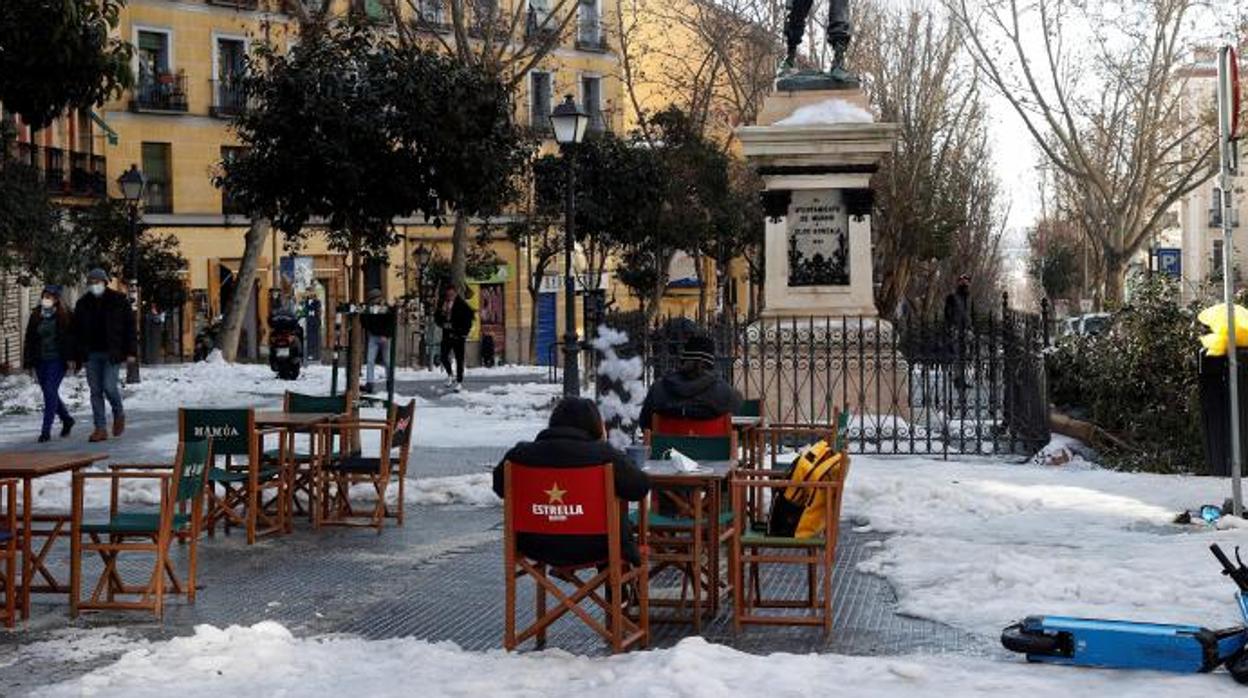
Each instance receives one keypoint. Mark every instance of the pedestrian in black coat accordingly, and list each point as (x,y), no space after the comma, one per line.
(105,337)
(455,317)
(575,439)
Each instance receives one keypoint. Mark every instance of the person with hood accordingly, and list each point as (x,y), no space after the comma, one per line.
(695,390)
(455,317)
(104,334)
(576,439)
(379,329)
(957,324)
(48,351)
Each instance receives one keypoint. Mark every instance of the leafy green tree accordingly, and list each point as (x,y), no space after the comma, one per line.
(27,216)
(59,54)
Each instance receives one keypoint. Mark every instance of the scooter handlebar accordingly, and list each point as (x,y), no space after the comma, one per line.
(1236,572)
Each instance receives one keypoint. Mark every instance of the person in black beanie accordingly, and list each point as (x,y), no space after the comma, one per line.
(695,390)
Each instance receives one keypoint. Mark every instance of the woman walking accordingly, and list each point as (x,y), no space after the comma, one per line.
(48,351)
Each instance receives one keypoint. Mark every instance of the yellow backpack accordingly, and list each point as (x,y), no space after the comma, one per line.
(798,512)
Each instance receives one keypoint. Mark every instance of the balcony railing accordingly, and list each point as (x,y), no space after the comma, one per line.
(540,25)
(591,35)
(88,174)
(164,92)
(158,196)
(54,170)
(228,98)
(1215,218)
(28,154)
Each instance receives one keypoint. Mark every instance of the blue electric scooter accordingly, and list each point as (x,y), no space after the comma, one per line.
(1131,645)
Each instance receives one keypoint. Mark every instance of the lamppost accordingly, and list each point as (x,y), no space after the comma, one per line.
(132,184)
(569,124)
(422,255)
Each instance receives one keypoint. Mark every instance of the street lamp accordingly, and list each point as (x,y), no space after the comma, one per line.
(569,123)
(422,256)
(132,184)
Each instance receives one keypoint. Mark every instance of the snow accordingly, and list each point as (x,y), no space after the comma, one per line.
(829,111)
(621,405)
(267,660)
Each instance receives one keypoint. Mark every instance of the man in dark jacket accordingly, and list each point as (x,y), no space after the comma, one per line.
(105,338)
(957,324)
(378,324)
(575,440)
(455,317)
(695,391)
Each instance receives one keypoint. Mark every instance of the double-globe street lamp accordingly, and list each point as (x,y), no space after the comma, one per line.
(132,184)
(569,124)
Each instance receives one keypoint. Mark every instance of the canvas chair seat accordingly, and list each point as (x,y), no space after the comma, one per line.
(223,475)
(299,455)
(135,524)
(762,540)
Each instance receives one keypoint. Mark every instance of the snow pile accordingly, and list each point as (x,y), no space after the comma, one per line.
(623,391)
(267,660)
(1027,539)
(1065,451)
(829,111)
(474,490)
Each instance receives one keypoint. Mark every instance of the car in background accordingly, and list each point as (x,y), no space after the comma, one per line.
(1087,325)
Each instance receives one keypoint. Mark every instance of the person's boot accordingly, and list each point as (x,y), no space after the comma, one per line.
(45,437)
(66,425)
(119,425)
(98,435)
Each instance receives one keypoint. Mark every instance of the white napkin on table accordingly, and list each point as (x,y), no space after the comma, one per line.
(683,463)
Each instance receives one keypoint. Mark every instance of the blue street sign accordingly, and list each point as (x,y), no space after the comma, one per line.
(1170,261)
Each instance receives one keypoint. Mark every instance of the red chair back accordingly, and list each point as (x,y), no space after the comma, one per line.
(681,426)
(558,501)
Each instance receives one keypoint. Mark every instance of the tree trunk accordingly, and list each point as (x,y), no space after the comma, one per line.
(459,253)
(253,245)
(1114,271)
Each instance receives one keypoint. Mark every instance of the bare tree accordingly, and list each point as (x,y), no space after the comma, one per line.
(938,204)
(1099,87)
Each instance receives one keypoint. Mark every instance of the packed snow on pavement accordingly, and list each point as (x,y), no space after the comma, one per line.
(267,660)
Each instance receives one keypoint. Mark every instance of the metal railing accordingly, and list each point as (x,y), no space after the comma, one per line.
(54,169)
(228,98)
(157,196)
(913,386)
(160,92)
(591,35)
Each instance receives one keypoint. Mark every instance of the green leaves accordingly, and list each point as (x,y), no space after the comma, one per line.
(59,54)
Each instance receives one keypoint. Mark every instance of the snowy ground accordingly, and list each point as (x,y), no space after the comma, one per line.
(266,660)
(975,544)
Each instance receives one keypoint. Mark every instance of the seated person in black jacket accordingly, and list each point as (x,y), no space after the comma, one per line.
(694,391)
(575,439)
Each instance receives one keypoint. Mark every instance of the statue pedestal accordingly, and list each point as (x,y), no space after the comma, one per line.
(816,151)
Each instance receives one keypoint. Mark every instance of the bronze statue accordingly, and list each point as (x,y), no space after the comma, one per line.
(840,31)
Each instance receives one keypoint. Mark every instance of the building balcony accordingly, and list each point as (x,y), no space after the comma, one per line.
(591,36)
(54,170)
(88,175)
(1215,218)
(161,93)
(228,99)
(540,25)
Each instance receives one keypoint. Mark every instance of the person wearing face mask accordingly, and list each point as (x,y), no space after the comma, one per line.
(105,337)
(48,351)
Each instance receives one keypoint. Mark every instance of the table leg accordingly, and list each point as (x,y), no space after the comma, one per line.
(27,559)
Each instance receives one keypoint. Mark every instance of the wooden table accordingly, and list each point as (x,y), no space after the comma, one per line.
(26,466)
(297,423)
(702,492)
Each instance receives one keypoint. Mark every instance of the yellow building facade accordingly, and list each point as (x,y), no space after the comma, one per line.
(175,126)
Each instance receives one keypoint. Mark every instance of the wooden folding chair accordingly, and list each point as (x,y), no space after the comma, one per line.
(181,487)
(304,461)
(687,529)
(752,547)
(351,468)
(240,500)
(572,502)
(8,550)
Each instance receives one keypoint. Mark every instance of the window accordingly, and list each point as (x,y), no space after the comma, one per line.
(374,274)
(158,87)
(1216,267)
(227,88)
(374,10)
(539,18)
(229,207)
(591,95)
(539,101)
(158,169)
(431,12)
(589,26)
(153,55)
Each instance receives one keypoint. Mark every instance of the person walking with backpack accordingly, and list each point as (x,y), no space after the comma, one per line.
(47,352)
(455,317)
(105,337)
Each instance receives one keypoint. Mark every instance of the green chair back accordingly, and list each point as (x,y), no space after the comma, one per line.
(696,447)
(232,430)
(299,402)
(750,408)
(193,468)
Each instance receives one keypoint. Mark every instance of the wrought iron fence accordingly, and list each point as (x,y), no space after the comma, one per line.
(913,386)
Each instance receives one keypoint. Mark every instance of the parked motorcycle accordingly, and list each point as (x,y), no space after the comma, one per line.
(285,344)
(206,339)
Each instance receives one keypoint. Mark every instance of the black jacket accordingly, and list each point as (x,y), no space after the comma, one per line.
(701,396)
(378,324)
(31,348)
(460,322)
(565,447)
(105,324)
